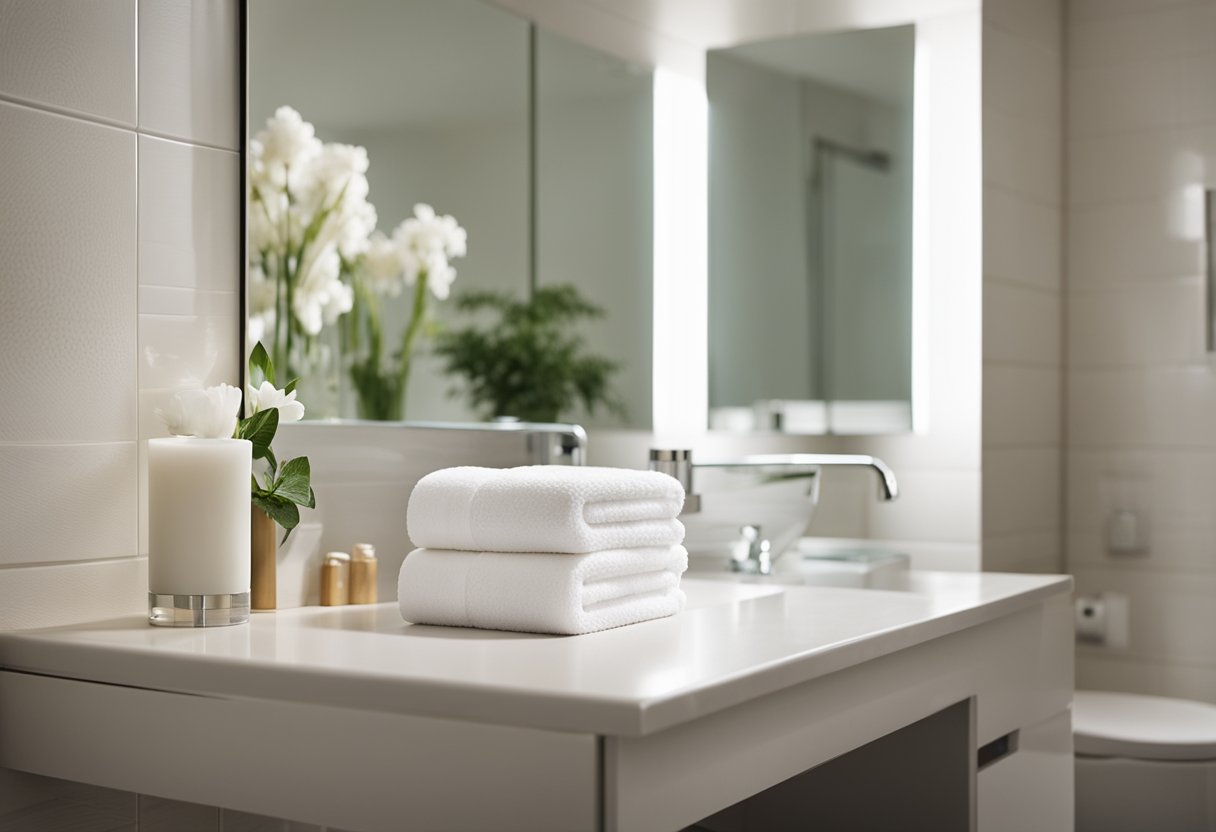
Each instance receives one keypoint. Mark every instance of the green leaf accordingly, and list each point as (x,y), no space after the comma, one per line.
(293,481)
(274,463)
(259,429)
(281,511)
(291,386)
(261,368)
(312,498)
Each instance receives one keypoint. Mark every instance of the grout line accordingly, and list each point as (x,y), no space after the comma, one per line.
(66,112)
(107,559)
(156,134)
(1051,205)
(69,443)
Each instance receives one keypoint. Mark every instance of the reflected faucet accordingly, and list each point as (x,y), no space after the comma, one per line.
(679,464)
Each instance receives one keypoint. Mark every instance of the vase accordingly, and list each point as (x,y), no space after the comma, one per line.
(198,531)
(263,560)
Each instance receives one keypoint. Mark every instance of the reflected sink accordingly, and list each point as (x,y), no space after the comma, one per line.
(821,562)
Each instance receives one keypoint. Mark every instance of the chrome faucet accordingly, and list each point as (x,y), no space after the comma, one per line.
(752,553)
(679,464)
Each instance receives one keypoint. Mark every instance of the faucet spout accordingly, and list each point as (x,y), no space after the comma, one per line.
(679,464)
(888,488)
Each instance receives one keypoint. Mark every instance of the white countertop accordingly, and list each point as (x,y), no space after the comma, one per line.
(734,642)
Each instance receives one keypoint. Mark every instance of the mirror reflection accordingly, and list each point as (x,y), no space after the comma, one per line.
(810,212)
(450,221)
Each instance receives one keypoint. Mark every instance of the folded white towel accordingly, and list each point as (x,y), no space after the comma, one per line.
(541,592)
(545,508)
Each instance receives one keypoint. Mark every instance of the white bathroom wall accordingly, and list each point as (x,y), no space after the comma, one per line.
(119,123)
(1141,397)
(1023,286)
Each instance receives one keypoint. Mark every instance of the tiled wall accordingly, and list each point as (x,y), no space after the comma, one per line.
(1023,286)
(1141,398)
(120,127)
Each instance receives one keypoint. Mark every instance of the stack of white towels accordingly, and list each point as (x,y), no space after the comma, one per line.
(543,549)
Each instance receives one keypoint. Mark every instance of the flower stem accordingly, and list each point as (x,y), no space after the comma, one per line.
(411,335)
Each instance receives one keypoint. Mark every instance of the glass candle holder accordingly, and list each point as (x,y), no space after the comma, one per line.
(198,531)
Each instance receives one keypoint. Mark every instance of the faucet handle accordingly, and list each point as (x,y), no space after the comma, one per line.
(677,463)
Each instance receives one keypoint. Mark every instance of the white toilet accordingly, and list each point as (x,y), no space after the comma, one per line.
(1144,763)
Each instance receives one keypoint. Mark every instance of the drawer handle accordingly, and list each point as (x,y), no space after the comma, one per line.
(997,750)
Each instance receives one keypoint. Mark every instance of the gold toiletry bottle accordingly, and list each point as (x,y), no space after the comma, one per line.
(335,580)
(363,574)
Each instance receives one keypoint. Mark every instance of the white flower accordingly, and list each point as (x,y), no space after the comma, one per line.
(382,266)
(427,242)
(287,142)
(210,413)
(320,297)
(266,396)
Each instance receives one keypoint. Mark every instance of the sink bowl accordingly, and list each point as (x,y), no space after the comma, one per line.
(822,562)
(731,500)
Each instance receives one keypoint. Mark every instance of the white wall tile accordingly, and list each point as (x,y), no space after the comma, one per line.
(1037,552)
(1137,167)
(1022,239)
(49,596)
(932,505)
(1022,490)
(1157,407)
(1172,493)
(1022,324)
(180,351)
(1138,325)
(74,55)
(1097,671)
(67,502)
(1040,21)
(1167,32)
(1123,242)
(1120,97)
(1022,405)
(1172,616)
(67,300)
(1024,155)
(188,70)
(1021,78)
(189,220)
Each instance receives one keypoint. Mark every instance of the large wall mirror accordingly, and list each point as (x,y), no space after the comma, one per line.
(810,233)
(538,149)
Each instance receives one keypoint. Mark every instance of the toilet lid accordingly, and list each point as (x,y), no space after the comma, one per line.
(1143,727)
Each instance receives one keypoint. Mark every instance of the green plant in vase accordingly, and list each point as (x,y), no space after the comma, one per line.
(531,363)
(416,258)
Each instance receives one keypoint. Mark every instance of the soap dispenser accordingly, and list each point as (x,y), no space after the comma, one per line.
(363,574)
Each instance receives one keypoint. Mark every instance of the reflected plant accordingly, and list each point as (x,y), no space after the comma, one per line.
(530,363)
(416,257)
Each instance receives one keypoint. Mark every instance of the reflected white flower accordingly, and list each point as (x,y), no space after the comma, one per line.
(266,396)
(287,142)
(210,413)
(320,297)
(382,266)
(427,242)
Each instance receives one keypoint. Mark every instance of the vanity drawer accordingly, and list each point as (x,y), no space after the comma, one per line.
(332,766)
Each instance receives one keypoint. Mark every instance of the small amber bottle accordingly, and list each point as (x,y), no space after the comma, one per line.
(363,574)
(335,580)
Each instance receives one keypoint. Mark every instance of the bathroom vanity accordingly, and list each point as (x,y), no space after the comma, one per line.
(946,704)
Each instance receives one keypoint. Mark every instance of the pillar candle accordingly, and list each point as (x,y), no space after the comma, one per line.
(198,515)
